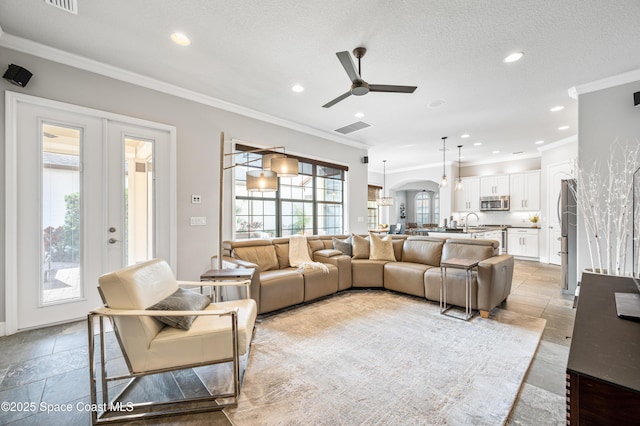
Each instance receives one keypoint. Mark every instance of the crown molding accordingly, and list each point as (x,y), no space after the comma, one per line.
(557,144)
(605,83)
(76,61)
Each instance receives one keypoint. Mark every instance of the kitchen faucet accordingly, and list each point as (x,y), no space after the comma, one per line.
(466,220)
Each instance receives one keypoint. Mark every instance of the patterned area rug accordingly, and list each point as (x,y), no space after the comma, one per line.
(379,358)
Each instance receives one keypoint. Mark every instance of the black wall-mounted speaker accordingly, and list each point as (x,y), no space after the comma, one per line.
(365,159)
(636,99)
(17,75)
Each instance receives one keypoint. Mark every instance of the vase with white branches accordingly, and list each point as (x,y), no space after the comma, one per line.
(605,201)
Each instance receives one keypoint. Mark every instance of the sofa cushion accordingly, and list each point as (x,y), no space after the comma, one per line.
(314,245)
(397,247)
(343,245)
(405,277)
(422,251)
(360,247)
(280,289)
(381,248)
(282,253)
(327,253)
(263,256)
(181,300)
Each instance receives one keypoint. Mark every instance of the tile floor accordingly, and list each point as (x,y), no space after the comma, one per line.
(50,365)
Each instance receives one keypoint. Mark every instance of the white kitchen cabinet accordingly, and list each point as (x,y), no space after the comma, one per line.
(491,235)
(522,242)
(468,200)
(493,186)
(525,191)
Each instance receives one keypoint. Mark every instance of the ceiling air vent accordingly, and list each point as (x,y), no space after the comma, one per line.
(70,6)
(353,127)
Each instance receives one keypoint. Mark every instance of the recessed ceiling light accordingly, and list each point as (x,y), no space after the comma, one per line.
(181,39)
(563,127)
(477,144)
(297,88)
(557,108)
(437,103)
(496,152)
(466,135)
(539,142)
(513,57)
(359,114)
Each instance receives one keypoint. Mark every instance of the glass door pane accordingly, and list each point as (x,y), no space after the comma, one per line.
(138,201)
(61,215)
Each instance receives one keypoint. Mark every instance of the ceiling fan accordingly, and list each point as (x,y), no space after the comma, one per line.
(359,86)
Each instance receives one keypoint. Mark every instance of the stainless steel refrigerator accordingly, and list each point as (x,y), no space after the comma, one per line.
(567,216)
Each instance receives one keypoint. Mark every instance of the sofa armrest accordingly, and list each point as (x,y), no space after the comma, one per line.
(232,262)
(495,276)
(325,253)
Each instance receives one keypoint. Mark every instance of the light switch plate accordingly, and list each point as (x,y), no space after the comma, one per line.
(198,221)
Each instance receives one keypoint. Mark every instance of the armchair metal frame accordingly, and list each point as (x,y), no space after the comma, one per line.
(112,412)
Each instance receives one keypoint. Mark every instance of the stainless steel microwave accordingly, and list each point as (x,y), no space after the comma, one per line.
(494,203)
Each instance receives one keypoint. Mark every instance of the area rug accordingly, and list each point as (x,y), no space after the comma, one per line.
(380,358)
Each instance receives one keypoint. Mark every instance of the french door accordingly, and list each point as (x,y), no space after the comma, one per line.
(87,192)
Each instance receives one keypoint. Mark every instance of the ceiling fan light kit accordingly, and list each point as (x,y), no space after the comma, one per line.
(360,87)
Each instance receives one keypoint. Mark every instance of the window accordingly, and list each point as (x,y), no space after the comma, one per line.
(372,206)
(311,203)
(427,207)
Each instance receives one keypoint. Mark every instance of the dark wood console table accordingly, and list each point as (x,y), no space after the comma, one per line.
(603,370)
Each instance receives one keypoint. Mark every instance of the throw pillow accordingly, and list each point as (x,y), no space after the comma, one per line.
(181,300)
(360,247)
(381,248)
(343,245)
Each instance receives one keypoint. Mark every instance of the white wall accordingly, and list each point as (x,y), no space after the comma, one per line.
(198,127)
(502,167)
(605,116)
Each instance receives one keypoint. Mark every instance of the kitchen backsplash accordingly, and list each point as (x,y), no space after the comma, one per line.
(496,218)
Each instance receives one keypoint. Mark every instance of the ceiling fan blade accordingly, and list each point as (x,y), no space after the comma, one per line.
(390,88)
(349,66)
(336,100)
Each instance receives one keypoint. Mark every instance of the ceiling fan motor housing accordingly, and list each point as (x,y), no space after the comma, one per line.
(360,88)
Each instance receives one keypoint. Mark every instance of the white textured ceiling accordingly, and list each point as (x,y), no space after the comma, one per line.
(251,52)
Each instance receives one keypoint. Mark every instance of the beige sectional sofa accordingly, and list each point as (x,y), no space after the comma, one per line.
(415,271)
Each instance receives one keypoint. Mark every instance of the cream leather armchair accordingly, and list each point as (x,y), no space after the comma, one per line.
(220,333)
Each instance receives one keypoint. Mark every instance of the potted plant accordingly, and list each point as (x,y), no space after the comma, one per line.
(534,218)
(604,196)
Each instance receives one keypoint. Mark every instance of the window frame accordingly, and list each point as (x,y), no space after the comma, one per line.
(307,167)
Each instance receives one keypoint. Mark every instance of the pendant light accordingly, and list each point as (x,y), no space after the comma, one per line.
(443,182)
(459,181)
(384,201)
(262,181)
(281,164)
